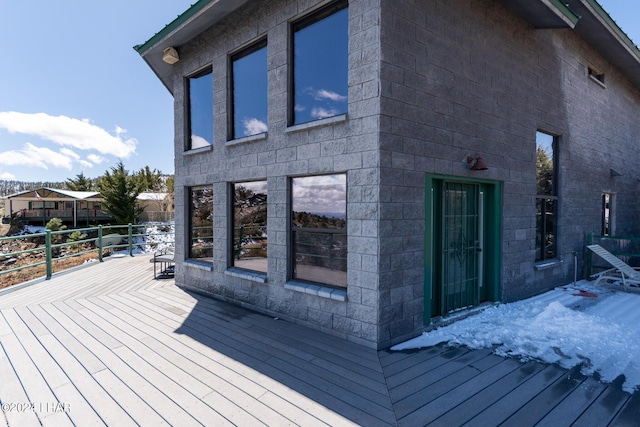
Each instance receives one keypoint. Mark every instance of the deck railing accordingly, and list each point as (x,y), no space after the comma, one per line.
(64,244)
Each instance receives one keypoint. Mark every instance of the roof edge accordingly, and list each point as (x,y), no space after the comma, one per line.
(181,19)
(613,26)
(566,11)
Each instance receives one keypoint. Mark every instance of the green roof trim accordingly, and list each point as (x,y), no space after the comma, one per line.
(566,11)
(615,27)
(186,15)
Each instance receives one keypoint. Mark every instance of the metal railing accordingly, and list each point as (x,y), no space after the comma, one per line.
(78,242)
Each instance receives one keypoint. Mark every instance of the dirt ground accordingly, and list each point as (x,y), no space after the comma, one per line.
(14,261)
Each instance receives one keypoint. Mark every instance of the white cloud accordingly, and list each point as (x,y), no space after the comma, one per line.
(198,141)
(322,94)
(67,131)
(70,153)
(7,176)
(254,126)
(40,157)
(95,159)
(299,108)
(321,113)
(85,163)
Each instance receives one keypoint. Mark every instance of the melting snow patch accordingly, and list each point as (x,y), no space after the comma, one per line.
(604,337)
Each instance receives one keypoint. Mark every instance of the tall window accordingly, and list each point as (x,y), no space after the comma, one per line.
(250,226)
(319,229)
(320,64)
(547,196)
(249,88)
(201,223)
(200,93)
(607,214)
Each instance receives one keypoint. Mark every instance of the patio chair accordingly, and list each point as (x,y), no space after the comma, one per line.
(622,273)
(165,259)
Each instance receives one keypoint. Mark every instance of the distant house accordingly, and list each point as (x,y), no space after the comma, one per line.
(365,167)
(77,208)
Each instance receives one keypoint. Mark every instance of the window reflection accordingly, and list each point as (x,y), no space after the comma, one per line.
(319,207)
(201,223)
(250,226)
(200,88)
(320,47)
(546,199)
(249,79)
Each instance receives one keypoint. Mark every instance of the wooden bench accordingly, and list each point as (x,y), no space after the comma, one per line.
(163,263)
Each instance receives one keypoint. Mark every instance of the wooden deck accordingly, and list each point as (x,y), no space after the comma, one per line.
(109,345)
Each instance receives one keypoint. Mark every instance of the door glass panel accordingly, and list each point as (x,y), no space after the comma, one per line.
(460,246)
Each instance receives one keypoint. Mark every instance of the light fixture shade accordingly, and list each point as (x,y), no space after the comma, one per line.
(479,165)
(614,172)
(170,55)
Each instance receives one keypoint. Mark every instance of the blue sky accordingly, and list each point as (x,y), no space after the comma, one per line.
(75,93)
(75,97)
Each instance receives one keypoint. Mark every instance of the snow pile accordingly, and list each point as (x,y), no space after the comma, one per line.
(157,236)
(593,327)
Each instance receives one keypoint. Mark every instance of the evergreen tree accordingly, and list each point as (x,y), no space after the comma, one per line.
(150,180)
(169,183)
(120,191)
(81,183)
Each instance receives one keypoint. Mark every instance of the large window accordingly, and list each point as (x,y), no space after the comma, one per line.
(250,226)
(200,102)
(320,64)
(200,242)
(249,89)
(319,229)
(547,196)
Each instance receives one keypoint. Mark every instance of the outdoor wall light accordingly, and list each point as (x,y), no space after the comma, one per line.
(170,55)
(476,163)
(614,172)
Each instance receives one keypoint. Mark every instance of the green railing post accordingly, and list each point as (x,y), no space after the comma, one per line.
(130,240)
(100,243)
(48,253)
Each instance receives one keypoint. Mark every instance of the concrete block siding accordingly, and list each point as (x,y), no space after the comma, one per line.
(430,81)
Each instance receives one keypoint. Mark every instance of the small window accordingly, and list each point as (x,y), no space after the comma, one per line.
(596,75)
(250,226)
(249,89)
(200,104)
(319,229)
(200,231)
(320,64)
(546,199)
(607,214)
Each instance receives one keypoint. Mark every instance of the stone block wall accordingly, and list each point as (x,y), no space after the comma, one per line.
(343,144)
(470,76)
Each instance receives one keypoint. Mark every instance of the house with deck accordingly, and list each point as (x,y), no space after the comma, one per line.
(78,208)
(366,167)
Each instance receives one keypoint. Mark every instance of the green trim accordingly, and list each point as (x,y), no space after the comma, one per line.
(615,27)
(186,15)
(492,237)
(566,11)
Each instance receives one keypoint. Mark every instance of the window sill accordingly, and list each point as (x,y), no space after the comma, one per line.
(317,123)
(245,139)
(307,288)
(198,150)
(598,82)
(254,276)
(544,265)
(199,265)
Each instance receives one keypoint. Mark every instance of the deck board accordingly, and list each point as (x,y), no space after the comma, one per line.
(125,349)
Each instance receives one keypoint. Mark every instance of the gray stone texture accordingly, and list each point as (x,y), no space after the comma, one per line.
(430,81)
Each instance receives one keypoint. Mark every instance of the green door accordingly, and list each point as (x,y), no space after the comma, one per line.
(461,245)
